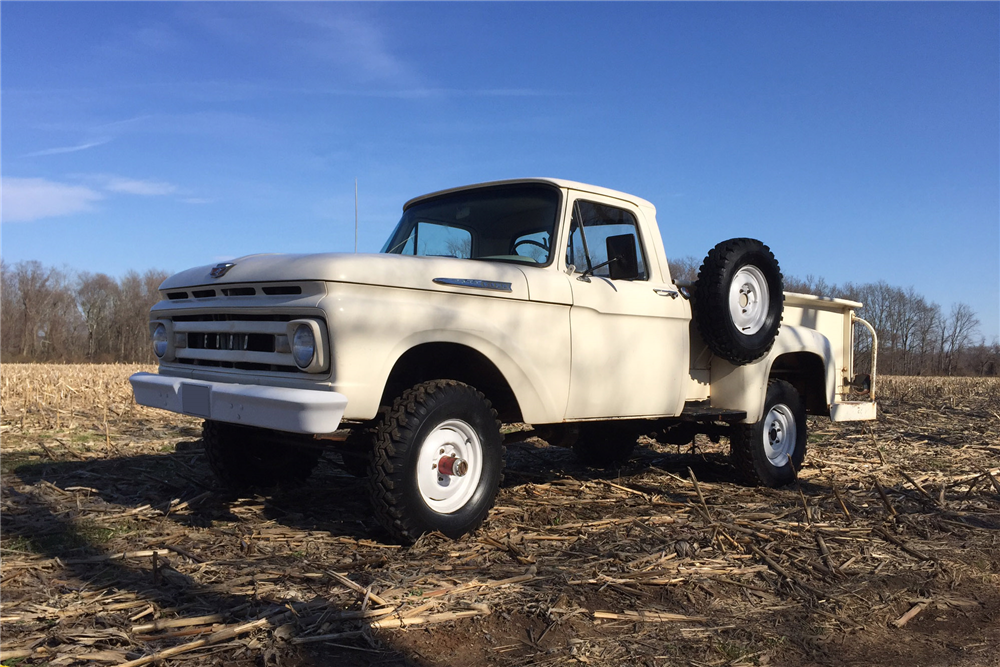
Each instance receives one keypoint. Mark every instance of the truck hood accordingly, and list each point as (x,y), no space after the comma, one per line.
(366,269)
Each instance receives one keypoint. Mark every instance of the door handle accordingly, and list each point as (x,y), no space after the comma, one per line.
(673,294)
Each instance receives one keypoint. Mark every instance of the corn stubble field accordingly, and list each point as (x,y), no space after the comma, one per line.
(119,548)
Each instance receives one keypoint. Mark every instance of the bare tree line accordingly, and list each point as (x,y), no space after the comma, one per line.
(50,314)
(54,315)
(915,337)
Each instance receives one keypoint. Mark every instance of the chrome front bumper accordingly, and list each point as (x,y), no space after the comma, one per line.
(279,408)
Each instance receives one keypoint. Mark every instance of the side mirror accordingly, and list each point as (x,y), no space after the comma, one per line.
(624,263)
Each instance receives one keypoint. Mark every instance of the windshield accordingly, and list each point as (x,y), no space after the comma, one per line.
(514,223)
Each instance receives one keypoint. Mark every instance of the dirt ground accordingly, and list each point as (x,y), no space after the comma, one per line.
(119,548)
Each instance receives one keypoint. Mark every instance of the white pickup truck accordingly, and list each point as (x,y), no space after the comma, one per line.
(541,301)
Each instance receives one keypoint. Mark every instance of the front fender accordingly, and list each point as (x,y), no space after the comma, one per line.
(372,327)
(534,392)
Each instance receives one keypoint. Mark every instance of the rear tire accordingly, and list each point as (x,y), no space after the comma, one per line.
(604,444)
(244,457)
(412,487)
(559,435)
(770,452)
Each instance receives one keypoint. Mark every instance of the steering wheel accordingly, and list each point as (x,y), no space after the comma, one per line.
(529,242)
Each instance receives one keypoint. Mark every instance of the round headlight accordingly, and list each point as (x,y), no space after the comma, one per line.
(303,345)
(160,340)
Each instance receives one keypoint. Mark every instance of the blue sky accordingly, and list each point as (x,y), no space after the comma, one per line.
(860,141)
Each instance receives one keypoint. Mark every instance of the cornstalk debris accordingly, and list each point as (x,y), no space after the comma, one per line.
(573,564)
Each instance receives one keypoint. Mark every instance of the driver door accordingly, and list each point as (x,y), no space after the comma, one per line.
(629,330)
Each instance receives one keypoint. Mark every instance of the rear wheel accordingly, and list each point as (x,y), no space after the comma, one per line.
(770,452)
(437,461)
(244,457)
(559,435)
(605,444)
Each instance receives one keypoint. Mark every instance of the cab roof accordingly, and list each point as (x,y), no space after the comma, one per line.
(557,182)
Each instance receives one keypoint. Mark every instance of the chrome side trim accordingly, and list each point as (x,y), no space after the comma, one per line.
(478,284)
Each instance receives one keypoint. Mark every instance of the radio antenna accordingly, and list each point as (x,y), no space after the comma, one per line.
(355,216)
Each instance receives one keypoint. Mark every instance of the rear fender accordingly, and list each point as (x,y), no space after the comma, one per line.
(744,387)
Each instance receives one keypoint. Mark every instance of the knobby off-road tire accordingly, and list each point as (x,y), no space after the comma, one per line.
(356,452)
(559,435)
(770,452)
(739,300)
(244,457)
(605,444)
(431,422)
(355,457)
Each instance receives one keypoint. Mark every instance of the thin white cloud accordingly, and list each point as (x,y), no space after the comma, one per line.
(126,122)
(359,44)
(27,199)
(427,92)
(158,38)
(198,123)
(68,149)
(132,186)
(129,186)
(512,92)
(146,41)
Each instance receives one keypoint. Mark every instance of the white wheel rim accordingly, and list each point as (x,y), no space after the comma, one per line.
(780,435)
(749,300)
(443,493)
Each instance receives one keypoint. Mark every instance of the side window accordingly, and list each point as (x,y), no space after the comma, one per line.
(605,241)
(435,240)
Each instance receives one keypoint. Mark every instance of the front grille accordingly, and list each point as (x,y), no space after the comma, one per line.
(266,290)
(251,342)
(232,317)
(282,290)
(241,341)
(241,365)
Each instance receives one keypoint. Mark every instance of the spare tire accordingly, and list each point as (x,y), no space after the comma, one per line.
(739,300)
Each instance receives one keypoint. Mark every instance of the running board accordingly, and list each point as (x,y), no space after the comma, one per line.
(704,413)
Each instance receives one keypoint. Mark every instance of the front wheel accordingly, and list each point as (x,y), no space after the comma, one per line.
(244,457)
(437,461)
(770,452)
